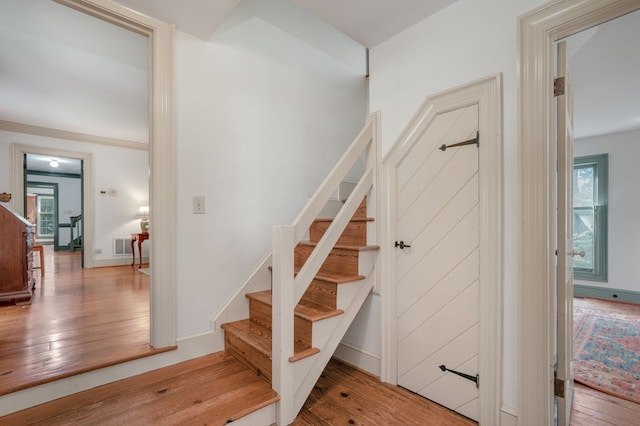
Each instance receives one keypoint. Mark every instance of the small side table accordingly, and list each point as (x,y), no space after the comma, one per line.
(139,237)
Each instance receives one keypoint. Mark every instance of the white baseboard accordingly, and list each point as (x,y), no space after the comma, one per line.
(508,416)
(357,357)
(188,348)
(100,263)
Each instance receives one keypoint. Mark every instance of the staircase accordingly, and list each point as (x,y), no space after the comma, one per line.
(249,340)
(322,271)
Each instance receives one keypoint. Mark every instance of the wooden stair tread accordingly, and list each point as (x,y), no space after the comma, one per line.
(259,338)
(309,311)
(303,354)
(332,278)
(342,247)
(338,279)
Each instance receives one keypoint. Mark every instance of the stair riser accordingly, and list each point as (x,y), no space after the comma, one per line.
(322,330)
(339,261)
(322,293)
(354,234)
(261,313)
(361,211)
(248,355)
(346,293)
(319,292)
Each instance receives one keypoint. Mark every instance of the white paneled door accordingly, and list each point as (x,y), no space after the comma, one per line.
(438,268)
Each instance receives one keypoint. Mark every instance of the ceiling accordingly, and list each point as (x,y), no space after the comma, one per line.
(605,70)
(51,77)
(369,22)
(42,163)
(57,71)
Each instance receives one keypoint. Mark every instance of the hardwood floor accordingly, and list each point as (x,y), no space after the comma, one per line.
(200,392)
(79,320)
(346,396)
(210,390)
(86,319)
(593,408)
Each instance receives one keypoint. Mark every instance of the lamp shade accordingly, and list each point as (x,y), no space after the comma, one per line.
(143,211)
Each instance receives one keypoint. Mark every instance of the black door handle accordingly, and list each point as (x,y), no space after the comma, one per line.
(402,245)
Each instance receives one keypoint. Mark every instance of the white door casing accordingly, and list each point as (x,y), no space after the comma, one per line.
(564,280)
(438,275)
(538,30)
(162,149)
(487,94)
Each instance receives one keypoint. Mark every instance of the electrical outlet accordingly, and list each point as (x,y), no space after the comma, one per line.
(198,204)
(98,251)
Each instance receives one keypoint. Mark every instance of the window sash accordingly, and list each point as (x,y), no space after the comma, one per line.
(593,266)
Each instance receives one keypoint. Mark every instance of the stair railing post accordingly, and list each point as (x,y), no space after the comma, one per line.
(282,321)
(372,160)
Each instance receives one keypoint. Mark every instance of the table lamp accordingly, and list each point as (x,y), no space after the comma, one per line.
(144,222)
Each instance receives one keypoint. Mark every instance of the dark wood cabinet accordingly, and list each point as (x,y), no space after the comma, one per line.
(16,255)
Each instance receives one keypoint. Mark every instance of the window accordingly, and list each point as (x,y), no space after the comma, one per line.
(590,176)
(45,220)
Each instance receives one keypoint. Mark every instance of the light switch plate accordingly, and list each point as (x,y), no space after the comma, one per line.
(198,204)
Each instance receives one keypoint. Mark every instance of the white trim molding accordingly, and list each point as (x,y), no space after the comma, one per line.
(162,150)
(538,31)
(358,357)
(29,129)
(487,93)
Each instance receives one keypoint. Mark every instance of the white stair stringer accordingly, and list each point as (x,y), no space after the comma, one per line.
(306,374)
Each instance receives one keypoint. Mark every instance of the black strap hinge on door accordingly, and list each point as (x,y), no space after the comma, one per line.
(475,379)
(473,141)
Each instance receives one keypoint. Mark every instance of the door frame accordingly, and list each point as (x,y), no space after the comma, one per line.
(162,148)
(538,30)
(19,185)
(487,93)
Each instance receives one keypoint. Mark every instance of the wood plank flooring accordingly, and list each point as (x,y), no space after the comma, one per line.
(210,390)
(77,316)
(199,391)
(346,396)
(207,391)
(79,320)
(593,408)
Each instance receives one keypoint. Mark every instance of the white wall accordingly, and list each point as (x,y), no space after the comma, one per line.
(464,42)
(261,119)
(125,170)
(624,205)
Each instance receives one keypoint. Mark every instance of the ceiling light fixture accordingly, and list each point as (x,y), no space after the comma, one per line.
(54,163)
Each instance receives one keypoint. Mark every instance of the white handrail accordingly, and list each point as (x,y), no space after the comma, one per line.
(310,212)
(331,235)
(287,290)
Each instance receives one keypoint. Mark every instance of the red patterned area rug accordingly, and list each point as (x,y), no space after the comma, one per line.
(606,346)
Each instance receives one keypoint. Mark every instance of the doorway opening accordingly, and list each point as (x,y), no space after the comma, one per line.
(53,200)
(539,30)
